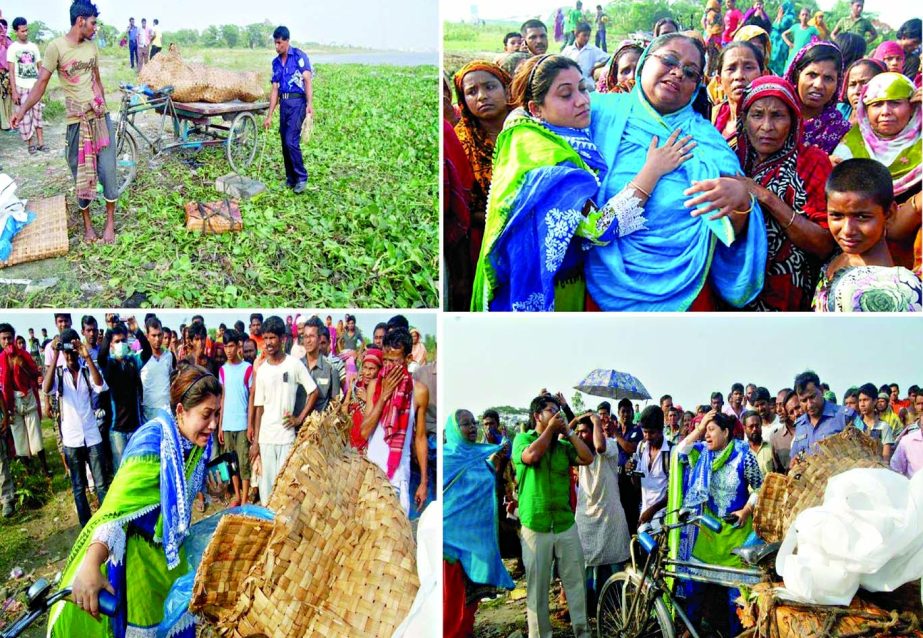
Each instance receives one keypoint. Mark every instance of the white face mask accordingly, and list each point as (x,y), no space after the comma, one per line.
(120,350)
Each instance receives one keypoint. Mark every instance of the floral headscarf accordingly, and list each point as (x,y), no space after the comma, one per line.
(906,172)
(827,129)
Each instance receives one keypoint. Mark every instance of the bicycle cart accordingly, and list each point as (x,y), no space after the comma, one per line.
(194,125)
(640,602)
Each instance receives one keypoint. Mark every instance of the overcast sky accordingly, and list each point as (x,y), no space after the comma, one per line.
(404,25)
(892,13)
(22,320)
(506,360)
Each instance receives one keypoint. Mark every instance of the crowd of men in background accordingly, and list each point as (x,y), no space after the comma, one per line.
(588,533)
(101,384)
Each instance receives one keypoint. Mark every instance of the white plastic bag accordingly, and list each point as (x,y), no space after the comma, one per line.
(868,533)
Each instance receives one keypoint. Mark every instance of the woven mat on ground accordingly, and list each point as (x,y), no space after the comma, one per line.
(339,560)
(770,617)
(782,498)
(45,237)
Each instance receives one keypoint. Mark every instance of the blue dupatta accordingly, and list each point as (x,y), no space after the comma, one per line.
(470,509)
(664,267)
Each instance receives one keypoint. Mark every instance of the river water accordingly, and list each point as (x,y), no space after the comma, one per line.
(395,58)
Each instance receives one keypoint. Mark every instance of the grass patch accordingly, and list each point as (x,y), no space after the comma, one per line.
(365,233)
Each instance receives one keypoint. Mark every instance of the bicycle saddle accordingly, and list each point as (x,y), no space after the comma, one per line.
(167,90)
(756,554)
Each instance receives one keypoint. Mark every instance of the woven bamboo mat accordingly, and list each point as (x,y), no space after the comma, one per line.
(45,237)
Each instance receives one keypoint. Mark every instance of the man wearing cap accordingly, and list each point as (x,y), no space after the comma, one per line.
(298,350)
(821,418)
(291,88)
(885,413)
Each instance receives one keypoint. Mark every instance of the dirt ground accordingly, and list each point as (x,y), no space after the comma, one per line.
(505,615)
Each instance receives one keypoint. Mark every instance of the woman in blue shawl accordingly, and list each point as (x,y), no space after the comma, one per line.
(470,545)
(546,175)
(681,256)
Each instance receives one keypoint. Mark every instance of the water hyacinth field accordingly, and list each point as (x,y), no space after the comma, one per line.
(364,233)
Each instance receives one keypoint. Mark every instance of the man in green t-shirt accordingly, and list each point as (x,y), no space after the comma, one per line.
(543,456)
(856,23)
(571,20)
(90,134)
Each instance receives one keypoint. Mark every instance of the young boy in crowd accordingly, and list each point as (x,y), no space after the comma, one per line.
(860,201)
(236,377)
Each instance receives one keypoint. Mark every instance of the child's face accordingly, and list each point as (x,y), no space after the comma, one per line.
(856,221)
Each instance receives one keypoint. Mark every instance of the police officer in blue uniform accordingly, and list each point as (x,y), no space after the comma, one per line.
(291,90)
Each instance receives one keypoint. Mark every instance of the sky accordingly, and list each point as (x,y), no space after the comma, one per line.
(404,25)
(892,13)
(506,359)
(22,320)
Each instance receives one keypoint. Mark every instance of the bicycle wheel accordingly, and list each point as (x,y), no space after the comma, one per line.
(126,158)
(612,616)
(241,143)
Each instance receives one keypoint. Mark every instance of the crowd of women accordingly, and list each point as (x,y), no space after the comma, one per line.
(559,201)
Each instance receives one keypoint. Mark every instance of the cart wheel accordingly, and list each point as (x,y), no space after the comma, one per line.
(126,158)
(613,619)
(242,141)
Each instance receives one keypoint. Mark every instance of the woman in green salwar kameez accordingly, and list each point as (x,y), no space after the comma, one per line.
(143,521)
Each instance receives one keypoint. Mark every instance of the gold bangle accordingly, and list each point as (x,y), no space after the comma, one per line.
(746,212)
(791,221)
(639,189)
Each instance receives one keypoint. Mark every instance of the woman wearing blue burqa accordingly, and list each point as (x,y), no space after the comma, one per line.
(470,545)
(703,245)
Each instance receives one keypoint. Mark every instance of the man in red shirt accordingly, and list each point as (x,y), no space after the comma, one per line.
(19,376)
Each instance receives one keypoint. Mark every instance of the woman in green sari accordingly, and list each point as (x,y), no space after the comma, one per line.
(144,520)
(723,480)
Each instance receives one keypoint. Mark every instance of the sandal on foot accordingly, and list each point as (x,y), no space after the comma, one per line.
(42,148)
(32,150)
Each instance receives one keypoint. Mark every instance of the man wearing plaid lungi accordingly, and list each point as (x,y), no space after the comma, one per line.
(24,58)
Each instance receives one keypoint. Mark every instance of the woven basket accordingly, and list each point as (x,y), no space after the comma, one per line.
(193,82)
(774,618)
(782,498)
(45,237)
(340,560)
(214,217)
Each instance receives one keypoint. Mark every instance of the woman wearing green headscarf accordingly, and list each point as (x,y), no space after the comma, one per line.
(470,544)
(143,521)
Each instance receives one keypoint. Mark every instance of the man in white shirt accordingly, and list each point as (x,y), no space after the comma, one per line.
(652,461)
(144,44)
(274,425)
(155,375)
(74,386)
(587,55)
(600,519)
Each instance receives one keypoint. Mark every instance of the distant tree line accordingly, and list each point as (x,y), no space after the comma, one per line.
(232,36)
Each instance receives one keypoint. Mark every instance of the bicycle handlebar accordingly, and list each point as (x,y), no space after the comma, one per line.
(108,605)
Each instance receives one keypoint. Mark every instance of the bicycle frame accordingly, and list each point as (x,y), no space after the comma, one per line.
(657,567)
(163,103)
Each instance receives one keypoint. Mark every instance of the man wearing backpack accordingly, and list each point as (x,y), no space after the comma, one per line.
(75,384)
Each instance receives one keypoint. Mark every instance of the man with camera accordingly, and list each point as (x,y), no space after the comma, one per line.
(543,456)
(649,466)
(121,368)
(75,385)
